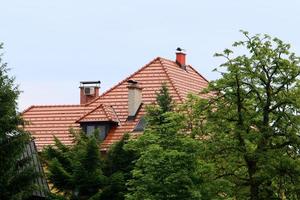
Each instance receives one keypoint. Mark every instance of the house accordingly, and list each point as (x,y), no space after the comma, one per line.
(43,189)
(117,110)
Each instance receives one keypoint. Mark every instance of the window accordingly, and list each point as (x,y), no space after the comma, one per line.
(101,129)
(140,125)
(90,129)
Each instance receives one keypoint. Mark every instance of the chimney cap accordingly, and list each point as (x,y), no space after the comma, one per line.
(132,81)
(90,82)
(180,50)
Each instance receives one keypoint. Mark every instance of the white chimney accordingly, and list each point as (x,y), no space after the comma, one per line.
(134,98)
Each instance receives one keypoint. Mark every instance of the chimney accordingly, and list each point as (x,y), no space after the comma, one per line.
(89,90)
(180,57)
(134,98)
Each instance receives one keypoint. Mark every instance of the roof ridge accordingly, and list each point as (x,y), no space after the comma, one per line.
(114,112)
(105,111)
(86,114)
(198,73)
(50,106)
(173,85)
(119,83)
(168,60)
(190,67)
(56,105)
(27,109)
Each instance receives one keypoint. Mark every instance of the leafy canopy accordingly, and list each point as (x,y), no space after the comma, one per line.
(168,166)
(251,124)
(119,162)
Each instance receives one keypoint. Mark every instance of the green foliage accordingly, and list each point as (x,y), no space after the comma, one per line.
(17,174)
(53,196)
(168,166)
(118,164)
(251,129)
(118,158)
(164,100)
(76,170)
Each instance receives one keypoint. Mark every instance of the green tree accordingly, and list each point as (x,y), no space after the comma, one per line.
(168,166)
(251,130)
(164,99)
(76,171)
(17,175)
(118,165)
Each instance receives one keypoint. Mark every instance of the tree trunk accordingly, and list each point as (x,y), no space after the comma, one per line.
(253,192)
(252,180)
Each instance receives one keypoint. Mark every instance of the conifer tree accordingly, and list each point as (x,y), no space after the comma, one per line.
(118,164)
(76,171)
(164,100)
(17,175)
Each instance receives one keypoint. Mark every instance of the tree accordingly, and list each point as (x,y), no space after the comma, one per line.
(168,166)
(76,171)
(118,164)
(164,99)
(17,175)
(251,130)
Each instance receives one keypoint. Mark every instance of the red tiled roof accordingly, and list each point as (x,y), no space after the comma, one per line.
(46,121)
(99,113)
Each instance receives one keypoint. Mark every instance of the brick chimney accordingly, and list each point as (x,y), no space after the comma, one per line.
(134,98)
(180,58)
(89,90)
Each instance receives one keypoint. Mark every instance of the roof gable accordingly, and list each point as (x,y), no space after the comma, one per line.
(102,113)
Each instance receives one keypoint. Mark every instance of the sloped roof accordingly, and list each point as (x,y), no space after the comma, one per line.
(46,121)
(99,113)
(49,120)
(43,189)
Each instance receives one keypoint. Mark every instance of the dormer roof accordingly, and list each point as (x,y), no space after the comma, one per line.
(101,113)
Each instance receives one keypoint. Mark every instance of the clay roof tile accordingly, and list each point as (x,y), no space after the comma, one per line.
(112,105)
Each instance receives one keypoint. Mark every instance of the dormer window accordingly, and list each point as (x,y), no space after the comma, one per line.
(100,119)
(90,127)
(140,126)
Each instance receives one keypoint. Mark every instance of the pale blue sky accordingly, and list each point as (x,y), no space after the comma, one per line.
(51,45)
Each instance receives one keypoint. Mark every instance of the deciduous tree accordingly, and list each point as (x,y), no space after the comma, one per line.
(252,124)
(168,166)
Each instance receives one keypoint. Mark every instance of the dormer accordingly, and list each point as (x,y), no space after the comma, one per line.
(101,118)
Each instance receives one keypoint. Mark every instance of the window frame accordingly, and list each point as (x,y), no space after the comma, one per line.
(107,126)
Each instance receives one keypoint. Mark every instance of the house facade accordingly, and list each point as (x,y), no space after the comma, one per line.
(118,110)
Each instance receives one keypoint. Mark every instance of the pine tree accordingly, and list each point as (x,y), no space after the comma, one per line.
(17,175)
(76,171)
(118,165)
(164,100)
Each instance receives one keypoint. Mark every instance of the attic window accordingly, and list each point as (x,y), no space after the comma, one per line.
(102,129)
(140,125)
